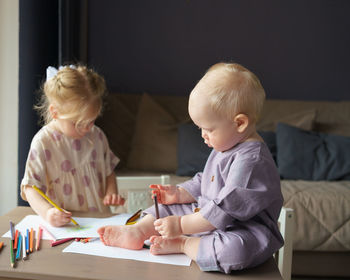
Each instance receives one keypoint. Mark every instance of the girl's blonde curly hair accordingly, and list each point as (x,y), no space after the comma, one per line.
(76,93)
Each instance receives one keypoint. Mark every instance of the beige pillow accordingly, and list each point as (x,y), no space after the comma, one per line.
(302,119)
(153,146)
(118,122)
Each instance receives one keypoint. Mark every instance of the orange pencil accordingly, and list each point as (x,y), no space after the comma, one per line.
(16,240)
(1,245)
(38,238)
(31,240)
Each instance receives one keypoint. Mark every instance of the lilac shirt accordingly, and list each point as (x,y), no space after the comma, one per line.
(240,189)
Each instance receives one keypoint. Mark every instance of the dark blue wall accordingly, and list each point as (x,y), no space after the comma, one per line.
(299,49)
(38,41)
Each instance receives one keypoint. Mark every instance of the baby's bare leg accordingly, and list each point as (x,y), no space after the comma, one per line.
(129,237)
(182,244)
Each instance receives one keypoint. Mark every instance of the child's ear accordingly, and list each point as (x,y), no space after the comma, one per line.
(53,111)
(242,122)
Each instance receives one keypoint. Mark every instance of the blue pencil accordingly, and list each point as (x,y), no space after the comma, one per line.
(18,255)
(27,242)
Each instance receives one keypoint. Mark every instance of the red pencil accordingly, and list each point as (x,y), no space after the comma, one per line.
(16,240)
(61,241)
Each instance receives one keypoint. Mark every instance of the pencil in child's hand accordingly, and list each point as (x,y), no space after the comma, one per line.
(38,238)
(52,203)
(156,206)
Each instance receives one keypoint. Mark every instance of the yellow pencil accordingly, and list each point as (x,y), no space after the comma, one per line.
(52,203)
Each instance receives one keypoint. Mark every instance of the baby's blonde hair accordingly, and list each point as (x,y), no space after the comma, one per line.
(76,93)
(232,89)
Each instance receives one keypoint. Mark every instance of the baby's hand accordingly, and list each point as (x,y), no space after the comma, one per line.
(169,226)
(58,218)
(165,194)
(113,199)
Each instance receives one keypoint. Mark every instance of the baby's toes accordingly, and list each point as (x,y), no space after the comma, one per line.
(155,249)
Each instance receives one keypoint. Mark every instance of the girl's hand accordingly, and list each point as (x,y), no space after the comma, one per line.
(169,226)
(58,218)
(113,199)
(166,194)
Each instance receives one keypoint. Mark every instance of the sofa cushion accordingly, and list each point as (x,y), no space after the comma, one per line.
(307,155)
(118,122)
(270,140)
(301,118)
(321,213)
(192,152)
(153,146)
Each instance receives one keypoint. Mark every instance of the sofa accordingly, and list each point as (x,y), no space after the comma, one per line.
(309,140)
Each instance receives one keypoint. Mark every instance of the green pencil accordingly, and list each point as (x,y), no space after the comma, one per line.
(12,254)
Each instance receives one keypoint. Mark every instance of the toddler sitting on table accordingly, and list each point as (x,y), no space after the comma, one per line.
(224,218)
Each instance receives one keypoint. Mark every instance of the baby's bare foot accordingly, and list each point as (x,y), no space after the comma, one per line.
(163,246)
(129,237)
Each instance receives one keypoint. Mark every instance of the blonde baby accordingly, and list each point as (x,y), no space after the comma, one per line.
(224,218)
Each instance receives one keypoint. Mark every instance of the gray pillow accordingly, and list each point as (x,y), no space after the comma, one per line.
(192,152)
(307,155)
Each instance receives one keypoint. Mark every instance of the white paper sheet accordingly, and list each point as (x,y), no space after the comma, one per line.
(88,226)
(96,248)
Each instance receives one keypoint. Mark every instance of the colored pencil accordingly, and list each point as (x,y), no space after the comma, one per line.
(52,203)
(16,240)
(61,241)
(18,255)
(24,253)
(48,232)
(156,206)
(38,238)
(27,242)
(92,239)
(133,219)
(89,239)
(12,255)
(1,245)
(11,230)
(31,240)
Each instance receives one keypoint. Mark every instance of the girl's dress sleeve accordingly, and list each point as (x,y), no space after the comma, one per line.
(35,169)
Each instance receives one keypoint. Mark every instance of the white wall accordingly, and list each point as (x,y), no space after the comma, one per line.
(9,51)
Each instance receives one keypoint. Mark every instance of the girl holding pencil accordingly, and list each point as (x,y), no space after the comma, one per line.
(69,158)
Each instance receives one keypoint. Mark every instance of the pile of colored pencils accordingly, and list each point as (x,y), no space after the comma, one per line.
(21,245)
